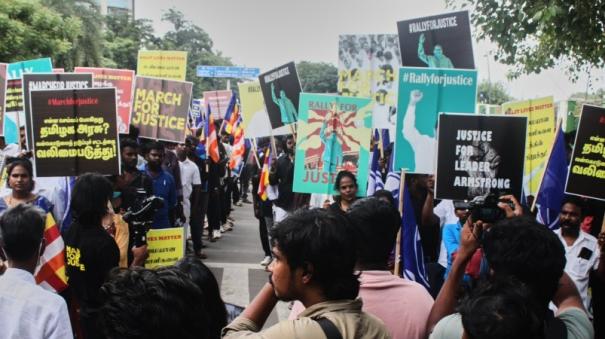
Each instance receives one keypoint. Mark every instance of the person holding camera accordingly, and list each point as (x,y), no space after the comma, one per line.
(90,251)
(515,247)
(133,185)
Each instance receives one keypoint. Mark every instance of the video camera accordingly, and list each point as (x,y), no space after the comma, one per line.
(485,208)
(140,215)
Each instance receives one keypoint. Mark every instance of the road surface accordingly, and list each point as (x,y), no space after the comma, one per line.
(235,261)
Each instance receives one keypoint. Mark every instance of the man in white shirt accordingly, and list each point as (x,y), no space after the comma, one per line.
(27,310)
(582,250)
(192,184)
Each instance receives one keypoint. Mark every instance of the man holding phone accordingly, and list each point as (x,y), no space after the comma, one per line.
(582,250)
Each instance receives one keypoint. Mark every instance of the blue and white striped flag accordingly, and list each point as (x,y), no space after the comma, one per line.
(375,178)
(412,256)
(393,179)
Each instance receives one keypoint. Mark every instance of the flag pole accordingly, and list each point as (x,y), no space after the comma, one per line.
(398,248)
(533,205)
(380,143)
(273,146)
(255,150)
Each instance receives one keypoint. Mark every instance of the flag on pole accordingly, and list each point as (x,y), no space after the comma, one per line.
(231,115)
(264,176)
(552,188)
(230,124)
(50,273)
(412,256)
(239,146)
(212,138)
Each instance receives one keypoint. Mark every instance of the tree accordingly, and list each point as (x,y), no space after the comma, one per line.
(186,36)
(595,98)
(492,93)
(317,77)
(32,31)
(124,37)
(87,49)
(536,35)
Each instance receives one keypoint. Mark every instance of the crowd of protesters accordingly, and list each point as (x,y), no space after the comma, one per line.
(333,260)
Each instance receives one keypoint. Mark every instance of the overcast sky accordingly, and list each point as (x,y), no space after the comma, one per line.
(269,33)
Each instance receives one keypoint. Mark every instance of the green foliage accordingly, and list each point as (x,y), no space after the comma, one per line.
(594,98)
(32,31)
(536,35)
(124,38)
(492,93)
(185,36)
(87,49)
(317,77)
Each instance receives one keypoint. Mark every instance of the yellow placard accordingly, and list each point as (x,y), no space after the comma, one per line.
(540,136)
(252,101)
(163,64)
(165,246)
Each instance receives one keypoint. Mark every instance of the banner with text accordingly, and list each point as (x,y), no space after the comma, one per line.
(587,168)
(540,137)
(160,108)
(333,134)
(165,247)
(423,94)
(218,101)
(122,80)
(478,155)
(368,67)
(281,90)
(440,41)
(51,81)
(14,115)
(74,132)
(162,64)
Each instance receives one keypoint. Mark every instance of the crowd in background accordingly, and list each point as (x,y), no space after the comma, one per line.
(332,257)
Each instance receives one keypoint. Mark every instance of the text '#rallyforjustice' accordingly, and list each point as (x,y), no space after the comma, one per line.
(440,41)
(423,94)
(479,155)
(281,90)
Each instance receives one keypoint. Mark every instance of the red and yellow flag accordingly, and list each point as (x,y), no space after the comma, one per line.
(50,274)
(212,139)
(264,176)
